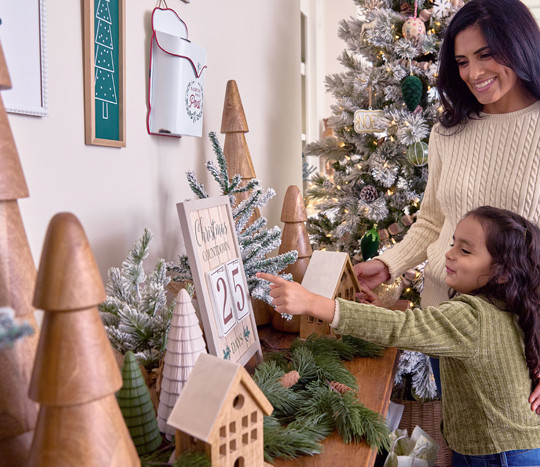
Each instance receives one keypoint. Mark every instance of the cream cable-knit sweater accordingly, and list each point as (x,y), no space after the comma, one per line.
(494,160)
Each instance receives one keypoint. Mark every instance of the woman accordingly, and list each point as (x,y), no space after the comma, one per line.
(486,148)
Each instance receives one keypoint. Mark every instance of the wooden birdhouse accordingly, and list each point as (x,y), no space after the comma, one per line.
(330,274)
(220,413)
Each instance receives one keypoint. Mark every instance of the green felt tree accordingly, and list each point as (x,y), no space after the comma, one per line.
(137,409)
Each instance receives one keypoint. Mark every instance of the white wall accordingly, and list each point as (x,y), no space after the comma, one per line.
(116,193)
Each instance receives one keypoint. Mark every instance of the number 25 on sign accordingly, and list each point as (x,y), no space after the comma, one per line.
(229,298)
(365,121)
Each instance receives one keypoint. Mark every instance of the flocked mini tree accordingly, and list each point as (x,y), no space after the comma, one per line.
(255,241)
(136,312)
(385,105)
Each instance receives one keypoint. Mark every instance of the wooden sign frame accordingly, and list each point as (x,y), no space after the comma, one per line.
(105,124)
(220,281)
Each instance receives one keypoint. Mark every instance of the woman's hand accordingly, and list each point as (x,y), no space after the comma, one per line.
(367,296)
(372,273)
(534,399)
(292,298)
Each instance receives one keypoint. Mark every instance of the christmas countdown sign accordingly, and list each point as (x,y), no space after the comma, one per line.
(219,278)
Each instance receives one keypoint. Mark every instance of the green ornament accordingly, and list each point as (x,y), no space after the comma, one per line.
(411,89)
(369,244)
(417,154)
(137,409)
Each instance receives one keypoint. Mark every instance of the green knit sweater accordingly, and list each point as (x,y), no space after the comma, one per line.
(484,376)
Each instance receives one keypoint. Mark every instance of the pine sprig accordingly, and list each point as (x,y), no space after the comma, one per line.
(291,441)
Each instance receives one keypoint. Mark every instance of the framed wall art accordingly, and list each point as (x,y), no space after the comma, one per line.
(22,33)
(220,282)
(104,72)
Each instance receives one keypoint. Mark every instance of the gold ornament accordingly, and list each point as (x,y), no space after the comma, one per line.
(417,154)
(389,293)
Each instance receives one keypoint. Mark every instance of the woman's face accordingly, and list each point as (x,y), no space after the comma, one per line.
(495,86)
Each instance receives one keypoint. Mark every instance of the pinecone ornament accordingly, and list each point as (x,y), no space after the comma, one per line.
(289,379)
(368,194)
(339,387)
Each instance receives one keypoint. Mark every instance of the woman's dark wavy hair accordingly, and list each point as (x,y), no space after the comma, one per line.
(514,244)
(513,37)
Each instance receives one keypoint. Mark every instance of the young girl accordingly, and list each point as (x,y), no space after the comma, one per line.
(487,337)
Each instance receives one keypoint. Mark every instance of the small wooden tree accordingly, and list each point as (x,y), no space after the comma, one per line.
(295,237)
(184,345)
(234,126)
(18,413)
(75,375)
(137,408)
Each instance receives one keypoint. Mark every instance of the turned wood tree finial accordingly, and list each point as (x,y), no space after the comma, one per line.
(75,375)
(294,237)
(17,279)
(236,152)
(234,126)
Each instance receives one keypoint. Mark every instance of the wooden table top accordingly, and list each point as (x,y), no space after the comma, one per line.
(375,380)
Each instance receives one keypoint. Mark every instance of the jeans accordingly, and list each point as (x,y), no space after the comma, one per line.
(522,458)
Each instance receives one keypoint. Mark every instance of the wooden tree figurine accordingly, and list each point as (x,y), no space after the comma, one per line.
(235,149)
(137,408)
(75,374)
(220,413)
(18,413)
(294,237)
(184,345)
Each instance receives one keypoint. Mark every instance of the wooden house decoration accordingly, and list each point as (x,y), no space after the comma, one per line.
(330,274)
(184,345)
(75,375)
(18,413)
(294,237)
(220,413)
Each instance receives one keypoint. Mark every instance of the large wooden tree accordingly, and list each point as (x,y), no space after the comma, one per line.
(75,375)
(17,279)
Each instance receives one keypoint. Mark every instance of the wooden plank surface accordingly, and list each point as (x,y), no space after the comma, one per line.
(375,380)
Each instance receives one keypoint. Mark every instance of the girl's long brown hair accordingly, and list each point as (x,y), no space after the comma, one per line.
(514,244)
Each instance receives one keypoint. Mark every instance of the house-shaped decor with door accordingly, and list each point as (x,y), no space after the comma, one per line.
(330,274)
(220,413)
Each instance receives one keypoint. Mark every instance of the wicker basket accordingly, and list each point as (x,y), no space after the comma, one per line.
(427,415)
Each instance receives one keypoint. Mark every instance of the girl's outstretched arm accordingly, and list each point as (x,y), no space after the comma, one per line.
(292,298)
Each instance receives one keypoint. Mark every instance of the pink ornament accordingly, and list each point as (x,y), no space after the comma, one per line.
(425,15)
(413,28)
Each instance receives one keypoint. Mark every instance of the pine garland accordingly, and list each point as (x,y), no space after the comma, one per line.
(255,241)
(310,410)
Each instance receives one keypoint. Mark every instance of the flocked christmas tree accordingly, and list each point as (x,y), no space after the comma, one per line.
(136,313)
(386,104)
(255,241)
